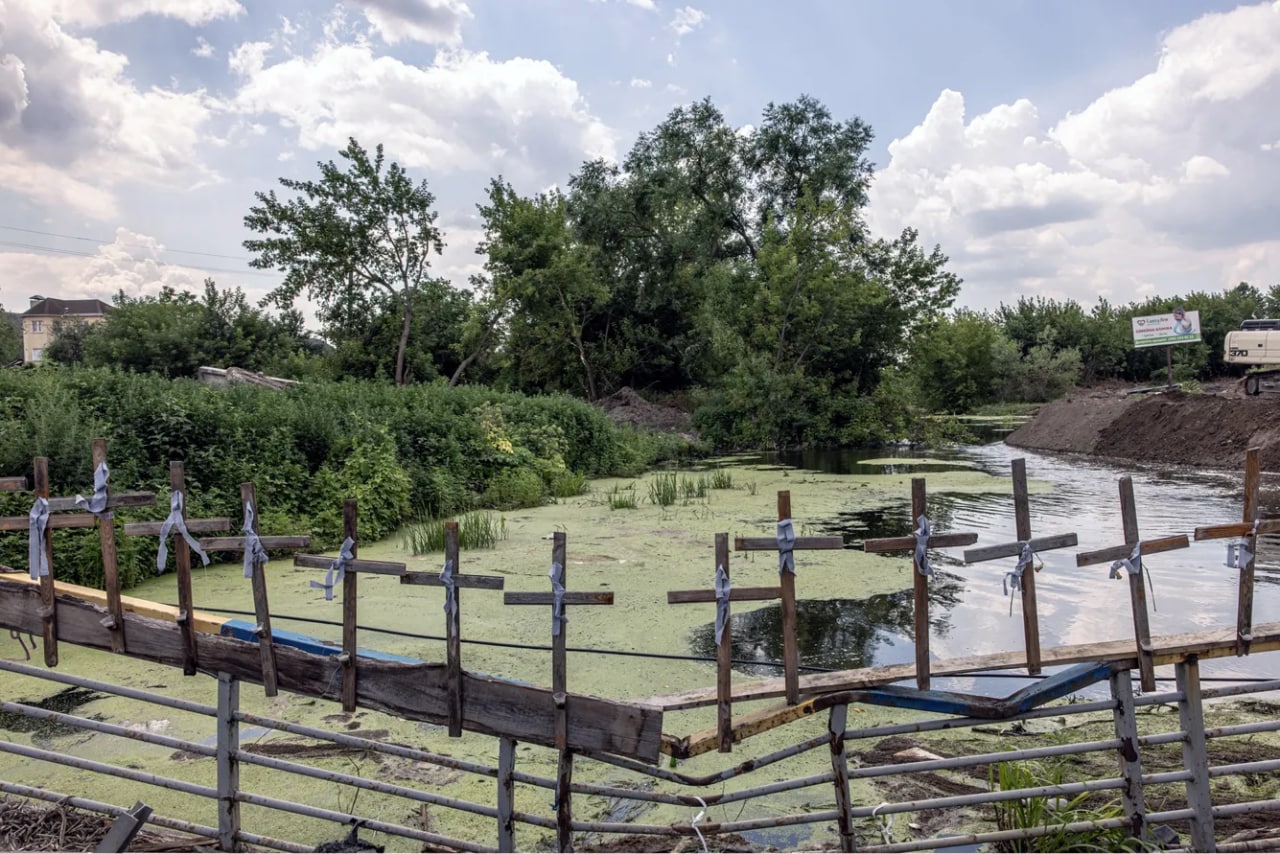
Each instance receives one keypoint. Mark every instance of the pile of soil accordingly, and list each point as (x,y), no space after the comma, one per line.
(1211,429)
(626,406)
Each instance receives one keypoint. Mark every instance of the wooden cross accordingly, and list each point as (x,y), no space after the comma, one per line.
(920,569)
(350,568)
(1124,555)
(1024,578)
(559,677)
(256,560)
(181,557)
(1244,553)
(453,582)
(790,649)
(724,626)
(48,601)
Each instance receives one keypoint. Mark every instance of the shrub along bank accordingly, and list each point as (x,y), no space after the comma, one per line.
(415,451)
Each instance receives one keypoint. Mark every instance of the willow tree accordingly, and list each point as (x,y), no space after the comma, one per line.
(361,236)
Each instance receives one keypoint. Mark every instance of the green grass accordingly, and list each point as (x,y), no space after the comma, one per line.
(721,479)
(479,529)
(664,489)
(622,499)
(1045,812)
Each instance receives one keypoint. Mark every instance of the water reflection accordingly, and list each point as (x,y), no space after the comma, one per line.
(837,633)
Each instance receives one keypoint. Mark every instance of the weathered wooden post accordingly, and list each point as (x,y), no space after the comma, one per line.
(1126,728)
(255,549)
(1195,754)
(177,525)
(1128,557)
(920,541)
(346,567)
(1025,550)
(836,723)
(722,595)
(452,581)
(786,544)
(228,761)
(558,598)
(1241,554)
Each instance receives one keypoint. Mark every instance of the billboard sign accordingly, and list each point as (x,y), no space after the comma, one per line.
(1156,330)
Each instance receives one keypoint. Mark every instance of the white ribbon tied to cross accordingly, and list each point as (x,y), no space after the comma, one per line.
(97,504)
(1240,553)
(253,549)
(723,589)
(1131,564)
(449,579)
(38,520)
(1013,578)
(921,534)
(175,520)
(557,598)
(337,570)
(786,547)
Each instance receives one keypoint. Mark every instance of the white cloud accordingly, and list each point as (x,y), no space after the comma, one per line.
(83,123)
(429,21)
(249,58)
(203,49)
(640,83)
(686,20)
(1159,186)
(647,5)
(97,13)
(52,187)
(464,112)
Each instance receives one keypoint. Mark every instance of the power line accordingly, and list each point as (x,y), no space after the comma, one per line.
(113,242)
(59,251)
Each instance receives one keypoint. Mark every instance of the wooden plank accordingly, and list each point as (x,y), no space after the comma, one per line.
(1236,529)
(110,561)
(350,596)
(570,598)
(899,544)
(412,691)
(1022,522)
(120,499)
(195,526)
(453,635)
(737,594)
(1149,547)
(48,604)
(1167,649)
(479,582)
(1038,544)
(790,644)
(724,656)
(770,544)
(13,484)
(23,523)
(920,592)
(1138,588)
(377,567)
(236,544)
(261,608)
(1244,605)
(182,569)
(204,621)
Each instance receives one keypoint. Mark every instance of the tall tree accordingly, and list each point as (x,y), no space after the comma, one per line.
(359,237)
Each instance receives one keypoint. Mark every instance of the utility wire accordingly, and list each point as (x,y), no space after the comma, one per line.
(662,656)
(60,251)
(113,242)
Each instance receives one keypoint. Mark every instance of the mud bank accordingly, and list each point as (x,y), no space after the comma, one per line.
(1211,429)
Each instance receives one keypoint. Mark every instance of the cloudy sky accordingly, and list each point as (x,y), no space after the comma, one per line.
(1070,149)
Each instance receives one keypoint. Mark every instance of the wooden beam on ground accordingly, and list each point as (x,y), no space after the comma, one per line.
(415,691)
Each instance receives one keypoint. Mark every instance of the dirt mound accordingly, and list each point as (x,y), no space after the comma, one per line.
(625,406)
(1213,429)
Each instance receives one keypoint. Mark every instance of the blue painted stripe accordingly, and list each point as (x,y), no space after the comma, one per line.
(245,631)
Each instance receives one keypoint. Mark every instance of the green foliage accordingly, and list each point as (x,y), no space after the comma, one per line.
(664,489)
(565,484)
(1044,812)
(721,479)
(10,337)
(476,530)
(513,488)
(623,499)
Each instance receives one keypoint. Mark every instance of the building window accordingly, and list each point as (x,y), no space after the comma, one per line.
(36,354)
(37,326)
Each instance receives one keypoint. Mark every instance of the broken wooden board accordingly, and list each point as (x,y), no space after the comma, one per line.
(412,691)
(1167,649)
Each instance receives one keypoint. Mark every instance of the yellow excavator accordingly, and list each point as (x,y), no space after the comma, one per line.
(1256,342)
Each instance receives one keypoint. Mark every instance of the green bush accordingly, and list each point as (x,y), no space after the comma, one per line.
(1050,813)
(514,488)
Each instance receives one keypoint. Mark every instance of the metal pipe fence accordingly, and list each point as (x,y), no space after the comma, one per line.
(651,787)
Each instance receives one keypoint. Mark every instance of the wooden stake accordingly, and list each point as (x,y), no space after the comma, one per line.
(182,564)
(350,594)
(262,610)
(919,581)
(724,649)
(1137,585)
(790,646)
(48,604)
(110,564)
(1022,518)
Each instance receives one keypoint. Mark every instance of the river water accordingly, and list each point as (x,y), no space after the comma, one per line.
(1193,588)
